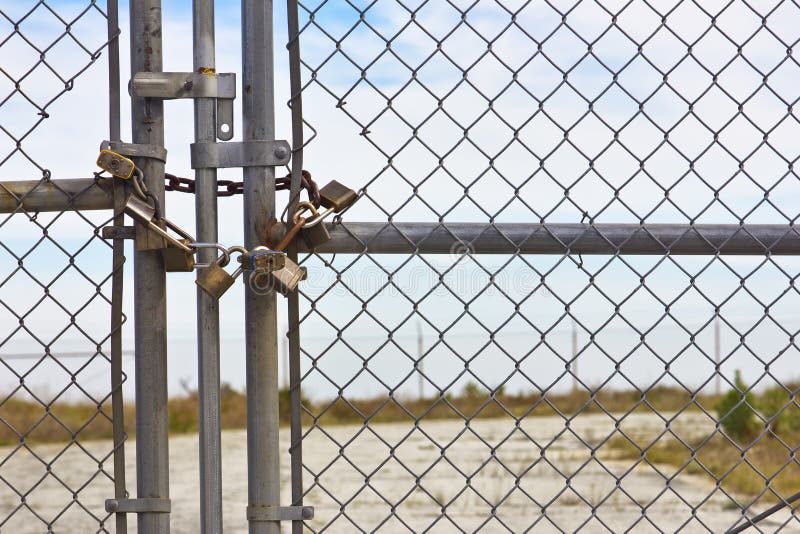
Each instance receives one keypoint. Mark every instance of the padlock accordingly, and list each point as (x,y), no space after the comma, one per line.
(143,213)
(149,234)
(283,280)
(336,197)
(147,239)
(115,164)
(263,259)
(314,231)
(215,280)
(315,235)
(177,260)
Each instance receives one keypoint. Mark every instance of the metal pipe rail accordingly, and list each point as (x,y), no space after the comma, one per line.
(559,238)
(56,195)
(478,238)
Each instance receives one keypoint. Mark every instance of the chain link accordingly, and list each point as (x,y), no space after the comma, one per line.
(227,188)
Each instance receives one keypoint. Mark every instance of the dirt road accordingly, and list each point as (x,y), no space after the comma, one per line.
(401,466)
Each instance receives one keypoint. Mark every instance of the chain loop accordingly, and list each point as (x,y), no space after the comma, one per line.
(228,188)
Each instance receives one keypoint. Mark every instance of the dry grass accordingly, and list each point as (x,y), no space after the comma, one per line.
(716,459)
(470,405)
(34,422)
(721,459)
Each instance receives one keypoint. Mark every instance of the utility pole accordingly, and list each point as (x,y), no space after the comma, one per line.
(717,372)
(574,364)
(419,361)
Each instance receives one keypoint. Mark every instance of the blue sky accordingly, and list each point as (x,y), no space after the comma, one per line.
(440,164)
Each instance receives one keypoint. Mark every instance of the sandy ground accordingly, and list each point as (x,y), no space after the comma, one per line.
(401,467)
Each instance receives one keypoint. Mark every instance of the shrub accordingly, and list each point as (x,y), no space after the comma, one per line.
(735,412)
(776,404)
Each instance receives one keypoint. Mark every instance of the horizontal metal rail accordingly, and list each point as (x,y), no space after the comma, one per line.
(56,195)
(459,237)
(560,238)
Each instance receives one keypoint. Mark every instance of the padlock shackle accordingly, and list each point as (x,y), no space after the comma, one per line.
(225,252)
(303,207)
(318,219)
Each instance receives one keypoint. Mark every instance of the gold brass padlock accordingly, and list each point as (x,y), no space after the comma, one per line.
(149,234)
(289,277)
(178,260)
(315,235)
(314,232)
(115,164)
(147,239)
(215,280)
(336,197)
(283,280)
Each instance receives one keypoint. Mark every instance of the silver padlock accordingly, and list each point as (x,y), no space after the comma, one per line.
(215,280)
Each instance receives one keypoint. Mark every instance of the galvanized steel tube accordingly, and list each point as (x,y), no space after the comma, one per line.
(261,333)
(559,238)
(208,349)
(150,308)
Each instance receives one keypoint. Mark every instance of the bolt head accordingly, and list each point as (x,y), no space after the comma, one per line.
(281,152)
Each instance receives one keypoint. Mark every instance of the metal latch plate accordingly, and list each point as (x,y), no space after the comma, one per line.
(240,154)
(137,506)
(279,513)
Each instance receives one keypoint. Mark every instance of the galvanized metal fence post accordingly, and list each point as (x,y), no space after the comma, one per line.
(208,351)
(147,117)
(261,333)
(117,280)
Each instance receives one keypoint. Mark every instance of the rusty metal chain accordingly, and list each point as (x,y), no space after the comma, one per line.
(228,188)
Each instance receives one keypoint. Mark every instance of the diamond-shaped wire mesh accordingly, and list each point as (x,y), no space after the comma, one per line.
(552,392)
(55,273)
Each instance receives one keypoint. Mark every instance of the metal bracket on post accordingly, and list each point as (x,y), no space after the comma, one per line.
(137,506)
(204,84)
(136,151)
(280,513)
(240,154)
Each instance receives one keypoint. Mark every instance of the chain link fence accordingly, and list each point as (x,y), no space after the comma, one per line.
(55,271)
(554,391)
(452,389)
